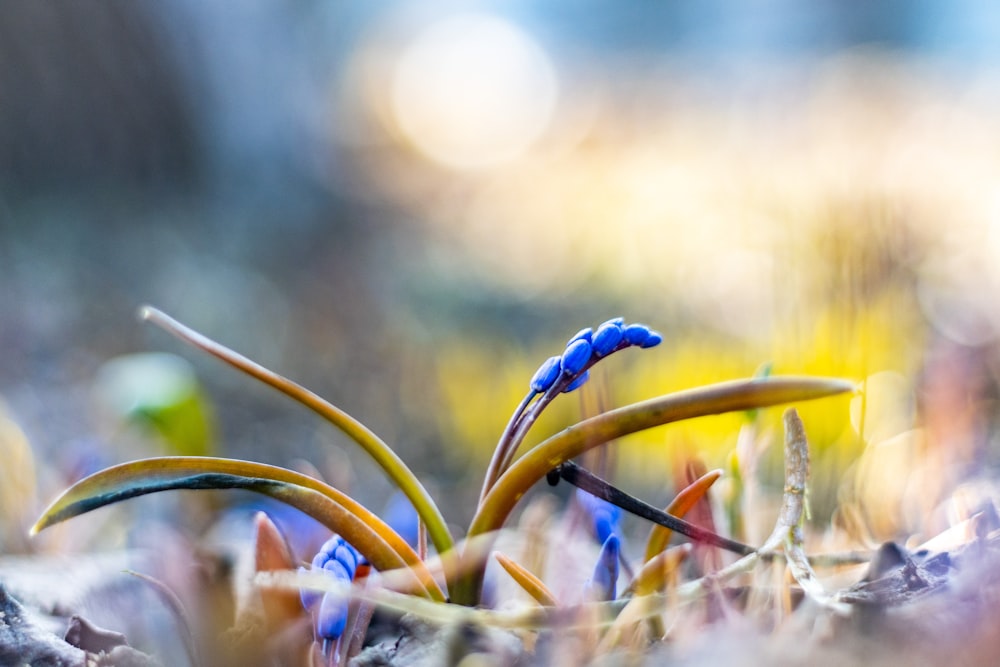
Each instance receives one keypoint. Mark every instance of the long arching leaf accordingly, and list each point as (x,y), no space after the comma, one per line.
(379,543)
(379,451)
(714,399)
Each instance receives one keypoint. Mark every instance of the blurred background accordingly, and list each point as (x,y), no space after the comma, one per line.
(407,206)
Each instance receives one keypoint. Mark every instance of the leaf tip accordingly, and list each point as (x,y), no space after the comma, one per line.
(38,527)
(145,312)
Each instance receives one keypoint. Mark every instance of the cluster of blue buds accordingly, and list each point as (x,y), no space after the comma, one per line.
(586,348)
(337,559)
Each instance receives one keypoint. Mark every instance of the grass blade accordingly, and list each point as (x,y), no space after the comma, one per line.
(659,536)
(531,584)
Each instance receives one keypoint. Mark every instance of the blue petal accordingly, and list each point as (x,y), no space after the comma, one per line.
(320,559)
(348,557)
(338,570)
(331,545)
(604,582)
(636,334)
(546,374)
(308,596)
(578,382)
(586,334)
(576,356)
(652,340)
(604,526)
(605,516)
(401,516)
(607,338)
(332,617)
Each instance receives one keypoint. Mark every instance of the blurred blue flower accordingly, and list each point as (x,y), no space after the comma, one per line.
(332,617)
(603,584)
(308,596)
(605,517)
(403,518)
(339,560)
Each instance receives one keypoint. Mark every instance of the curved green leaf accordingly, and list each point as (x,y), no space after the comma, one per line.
(379,543)
(378,450)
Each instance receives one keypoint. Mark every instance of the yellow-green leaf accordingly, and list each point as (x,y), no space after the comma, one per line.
(379,543)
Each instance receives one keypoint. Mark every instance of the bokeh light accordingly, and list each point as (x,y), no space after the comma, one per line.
(473,91)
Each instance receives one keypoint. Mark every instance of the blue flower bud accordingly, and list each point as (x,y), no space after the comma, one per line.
(586,334)
(604,526)
(337,570)
(546,375)
(308,596)
(399,512)
(339,560)
(636,334)
(578,382)
(576,356)
(348,558)
(331,545)
(332,617)
(607,338)
(652,340)
(603,583)
(605,516)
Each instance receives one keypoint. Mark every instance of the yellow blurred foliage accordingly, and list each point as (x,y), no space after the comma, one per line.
(17,484)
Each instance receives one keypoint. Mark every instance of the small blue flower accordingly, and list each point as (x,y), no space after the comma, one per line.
(332,616)
(339,560)
(578,382)
(576,356)
(607,338)
(546,375)
(603,583)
